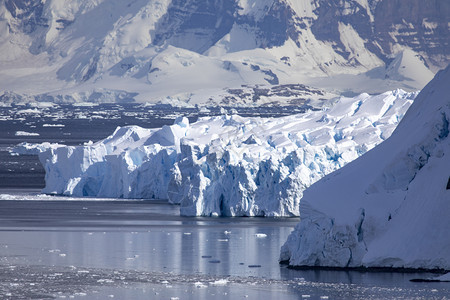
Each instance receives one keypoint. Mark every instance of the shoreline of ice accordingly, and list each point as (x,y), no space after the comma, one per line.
(226,165)
(442,274)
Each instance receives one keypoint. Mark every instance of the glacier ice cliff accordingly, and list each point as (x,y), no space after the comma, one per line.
(226,165)
(390,207)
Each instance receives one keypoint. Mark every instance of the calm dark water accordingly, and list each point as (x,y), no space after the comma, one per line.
(144,250)
(52,248)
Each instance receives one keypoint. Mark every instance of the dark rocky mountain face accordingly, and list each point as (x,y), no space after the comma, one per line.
(326,27)
(421,25)
(209,21)
(417,24)
(197,25)
(28,14)
(278,25)
(29,18)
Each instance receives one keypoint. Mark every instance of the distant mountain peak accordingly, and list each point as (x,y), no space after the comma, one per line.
(83,44)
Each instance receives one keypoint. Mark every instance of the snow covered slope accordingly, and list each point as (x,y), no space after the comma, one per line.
(390,207)
(192,51)
(226,165)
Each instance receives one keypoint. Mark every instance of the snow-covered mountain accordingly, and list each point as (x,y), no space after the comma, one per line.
(194,51)
(225,165)
(390,207)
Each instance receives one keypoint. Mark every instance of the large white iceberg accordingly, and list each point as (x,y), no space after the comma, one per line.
(389,208)
(227,165)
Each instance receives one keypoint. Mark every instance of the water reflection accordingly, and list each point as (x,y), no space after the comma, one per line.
(150,238)
(363,285)
(98,235)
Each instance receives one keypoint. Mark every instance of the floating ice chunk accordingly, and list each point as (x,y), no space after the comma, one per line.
(25,133)
(219,282)
(261,235)
(105,280)
(25,148)
(53,125)
(84,104)
(200,285)
(29,111)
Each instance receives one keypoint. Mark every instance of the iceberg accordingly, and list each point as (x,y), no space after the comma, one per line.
(25,133)
(227,165)
(26,148)
(390,207)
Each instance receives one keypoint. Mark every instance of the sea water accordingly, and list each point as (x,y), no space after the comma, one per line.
(101,248)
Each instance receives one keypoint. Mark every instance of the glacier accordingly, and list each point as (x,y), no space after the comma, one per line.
(225,165)
(389,208)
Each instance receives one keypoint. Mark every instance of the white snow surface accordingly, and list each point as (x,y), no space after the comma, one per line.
(25,133)
(390,207)
(226,165)
(26,148)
